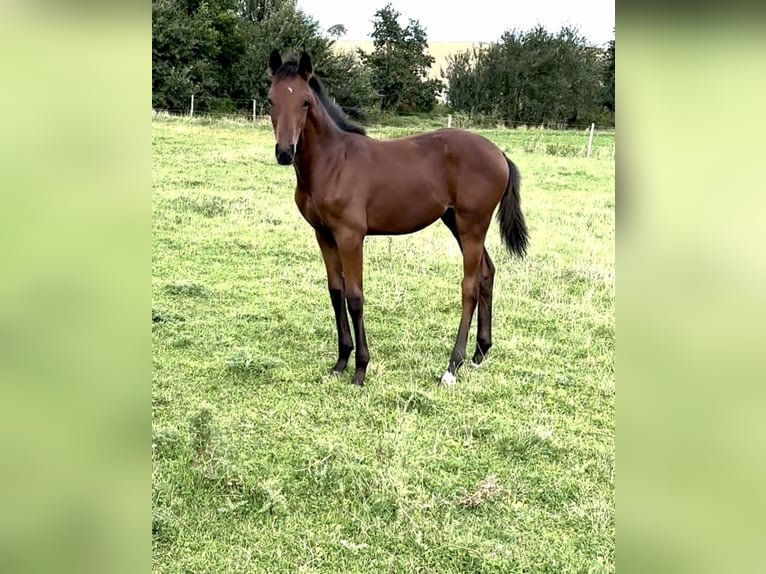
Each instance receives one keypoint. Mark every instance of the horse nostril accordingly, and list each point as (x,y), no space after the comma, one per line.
(284,157)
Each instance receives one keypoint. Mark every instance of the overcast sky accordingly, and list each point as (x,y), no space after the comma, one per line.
(472,20)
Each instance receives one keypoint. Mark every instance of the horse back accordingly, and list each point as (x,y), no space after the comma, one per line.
(439,169)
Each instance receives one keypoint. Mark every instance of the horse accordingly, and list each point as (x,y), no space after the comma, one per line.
(349,186)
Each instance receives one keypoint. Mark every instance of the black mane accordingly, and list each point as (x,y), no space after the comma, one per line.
(289,69)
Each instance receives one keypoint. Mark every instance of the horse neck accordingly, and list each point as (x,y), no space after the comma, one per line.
(319,138)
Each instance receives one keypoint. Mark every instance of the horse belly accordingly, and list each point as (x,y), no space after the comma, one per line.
(404,210)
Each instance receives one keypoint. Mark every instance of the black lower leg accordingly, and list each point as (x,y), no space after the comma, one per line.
(458,355)
(484,328)
(484,331)
(356,310)
(457,358)
(484,338)
(345,345)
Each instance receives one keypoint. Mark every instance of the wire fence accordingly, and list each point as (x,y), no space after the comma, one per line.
(571,141)
(253,108)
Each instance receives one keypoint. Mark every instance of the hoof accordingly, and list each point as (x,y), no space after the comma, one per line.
(338,368)
(448,379)
(358,379)
(475,365)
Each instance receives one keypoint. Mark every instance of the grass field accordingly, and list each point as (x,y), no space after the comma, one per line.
(263,463)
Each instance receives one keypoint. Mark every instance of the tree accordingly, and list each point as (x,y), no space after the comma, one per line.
(257,10)
(533,77)
(336,31)
(349,82)
(608,78)
(399,64)
(218,50)
(288,29)
(195,44)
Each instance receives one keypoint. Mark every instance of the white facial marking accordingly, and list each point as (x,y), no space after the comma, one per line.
(448,379)
(290,89)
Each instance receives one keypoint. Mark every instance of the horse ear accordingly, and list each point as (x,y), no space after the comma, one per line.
(275,61)
(305,68)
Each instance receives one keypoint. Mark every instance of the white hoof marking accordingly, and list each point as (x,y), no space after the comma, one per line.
(475,365)
(448,379)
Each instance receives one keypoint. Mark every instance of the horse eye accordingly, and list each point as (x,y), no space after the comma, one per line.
(305,103)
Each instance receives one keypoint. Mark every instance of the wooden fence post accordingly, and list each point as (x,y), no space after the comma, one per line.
(255,112)
(191,110)
(449,121)
(590,139)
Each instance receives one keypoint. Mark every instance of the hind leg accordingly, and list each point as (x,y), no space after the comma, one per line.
(484,329)
(486,281)
(471,234)
(470,290)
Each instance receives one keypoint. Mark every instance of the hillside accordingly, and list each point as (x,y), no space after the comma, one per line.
(439,50)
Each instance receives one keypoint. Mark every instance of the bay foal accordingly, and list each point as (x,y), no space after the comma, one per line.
(350,186)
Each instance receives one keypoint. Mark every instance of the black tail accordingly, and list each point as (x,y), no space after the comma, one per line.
(513,228)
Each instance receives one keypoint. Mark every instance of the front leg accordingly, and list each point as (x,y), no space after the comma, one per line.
(350,249)
(336,286)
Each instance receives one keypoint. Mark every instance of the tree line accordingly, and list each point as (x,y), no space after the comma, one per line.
(218,49)
(535,77)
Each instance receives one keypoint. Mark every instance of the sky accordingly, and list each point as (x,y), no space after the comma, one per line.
(484,22)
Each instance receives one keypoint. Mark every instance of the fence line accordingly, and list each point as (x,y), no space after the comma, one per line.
(258,107)
(445,120)
(556,142)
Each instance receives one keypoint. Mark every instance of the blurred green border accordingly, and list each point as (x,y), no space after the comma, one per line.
(75,225)
(690,289)
(74,324)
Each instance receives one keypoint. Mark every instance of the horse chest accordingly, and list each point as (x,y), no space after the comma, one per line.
(319,209)
(313,211)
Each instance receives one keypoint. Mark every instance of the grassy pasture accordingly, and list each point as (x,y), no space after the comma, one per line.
(263,463)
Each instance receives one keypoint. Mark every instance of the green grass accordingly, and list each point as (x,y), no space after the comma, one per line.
(263,463)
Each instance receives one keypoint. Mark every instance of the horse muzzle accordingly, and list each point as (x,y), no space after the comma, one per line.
(285,156)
